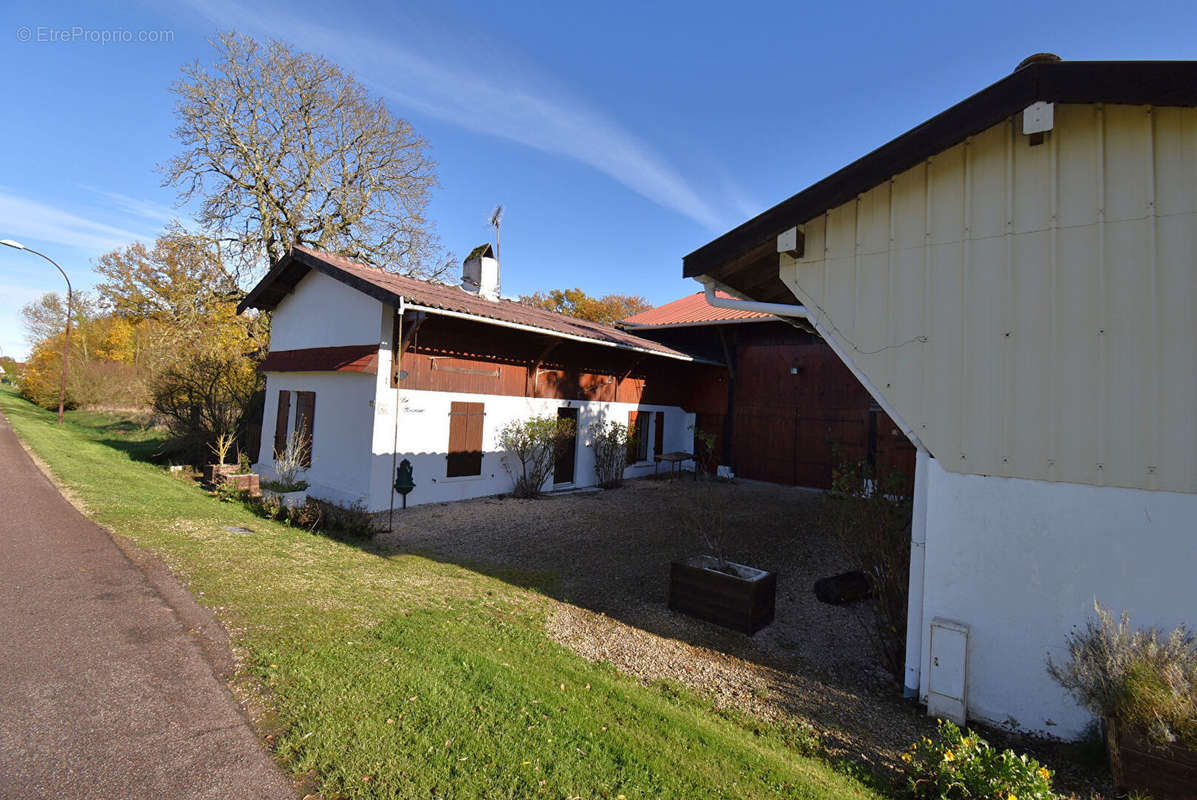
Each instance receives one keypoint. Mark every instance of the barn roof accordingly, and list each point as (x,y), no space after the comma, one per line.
(388,287)
(689,311)
(745,258)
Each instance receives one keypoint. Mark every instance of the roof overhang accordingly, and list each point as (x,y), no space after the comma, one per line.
(294,266)
(745,258)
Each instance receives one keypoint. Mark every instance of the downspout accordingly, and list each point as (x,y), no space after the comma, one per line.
(918,525)
(397,362)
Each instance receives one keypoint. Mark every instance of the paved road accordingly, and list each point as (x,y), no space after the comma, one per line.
(107,690)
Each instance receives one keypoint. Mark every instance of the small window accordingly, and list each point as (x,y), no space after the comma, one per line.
(281,421)
(659,434)
(305,421)
(465,440)
(638,436)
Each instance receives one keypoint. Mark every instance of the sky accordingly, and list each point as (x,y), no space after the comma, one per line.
(618,136)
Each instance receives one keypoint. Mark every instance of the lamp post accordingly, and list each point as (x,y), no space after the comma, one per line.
(66,344)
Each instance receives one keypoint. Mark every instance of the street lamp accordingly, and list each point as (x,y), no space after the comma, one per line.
(66,345)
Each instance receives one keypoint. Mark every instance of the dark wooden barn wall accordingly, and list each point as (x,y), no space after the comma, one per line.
(798,410)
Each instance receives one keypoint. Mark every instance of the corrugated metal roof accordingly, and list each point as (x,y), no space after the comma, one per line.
(389,287)
(691,310)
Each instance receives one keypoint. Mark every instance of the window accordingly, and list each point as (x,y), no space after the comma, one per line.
(305,420)
(659,434)
(638,436)
(465,440)
(281,420)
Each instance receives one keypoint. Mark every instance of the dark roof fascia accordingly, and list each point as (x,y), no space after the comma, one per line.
(1157,83)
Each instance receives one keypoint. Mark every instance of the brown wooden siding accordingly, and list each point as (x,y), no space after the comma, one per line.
(798,411)
(465,439)
(451,355)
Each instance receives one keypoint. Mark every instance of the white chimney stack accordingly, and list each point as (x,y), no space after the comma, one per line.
(480,273)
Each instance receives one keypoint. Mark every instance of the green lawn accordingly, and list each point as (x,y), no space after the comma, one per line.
(400,676)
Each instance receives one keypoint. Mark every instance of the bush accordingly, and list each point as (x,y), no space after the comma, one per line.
(963,766)
(870,520)
(1142,678)
(317,516)
(290,461)
(203,397)
(532,447)
(610,442)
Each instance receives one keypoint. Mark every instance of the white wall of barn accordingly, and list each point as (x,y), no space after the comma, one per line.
(323,312)
(423,439)
(1021,563)
(342,432)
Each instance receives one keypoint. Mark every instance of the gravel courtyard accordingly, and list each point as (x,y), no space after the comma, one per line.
(605,555)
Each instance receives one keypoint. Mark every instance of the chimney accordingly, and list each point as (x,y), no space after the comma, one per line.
(480,273)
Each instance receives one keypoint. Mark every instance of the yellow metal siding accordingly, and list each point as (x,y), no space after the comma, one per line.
(1029,310)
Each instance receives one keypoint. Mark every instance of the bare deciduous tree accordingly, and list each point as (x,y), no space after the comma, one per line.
(284,148)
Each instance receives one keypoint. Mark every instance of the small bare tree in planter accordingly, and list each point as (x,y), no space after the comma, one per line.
(710,586)
(610,441)
(532,447)
(288,463)
(220,448)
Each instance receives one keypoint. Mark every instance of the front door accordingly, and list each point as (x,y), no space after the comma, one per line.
(563,470)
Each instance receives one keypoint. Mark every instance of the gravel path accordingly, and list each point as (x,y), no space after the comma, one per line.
(604,556)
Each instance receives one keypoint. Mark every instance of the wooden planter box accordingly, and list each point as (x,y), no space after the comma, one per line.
(1166,772)
(742,601)
(214,472)
(245,482)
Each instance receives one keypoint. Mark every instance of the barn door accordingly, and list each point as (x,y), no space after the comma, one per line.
(563,469)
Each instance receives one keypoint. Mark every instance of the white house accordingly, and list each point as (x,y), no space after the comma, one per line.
(1015,281)
(379,368)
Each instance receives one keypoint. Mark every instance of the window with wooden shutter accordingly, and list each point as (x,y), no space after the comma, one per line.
(281,421)
(659,434)
(305,422)
(465,439)
(638,436)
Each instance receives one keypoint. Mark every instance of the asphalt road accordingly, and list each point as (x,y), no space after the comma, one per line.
(108,672)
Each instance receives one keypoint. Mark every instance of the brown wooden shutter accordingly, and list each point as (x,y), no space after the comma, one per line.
(465,439)
(659,435)
(281,421)
(305,420)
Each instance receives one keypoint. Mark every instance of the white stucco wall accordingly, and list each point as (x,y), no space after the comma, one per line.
(323,312)
(341,431)
(1021,562)
(423,437)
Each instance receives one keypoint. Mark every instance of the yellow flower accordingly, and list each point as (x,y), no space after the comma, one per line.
(1011,797)
(949,756)
(1045,773)
(907,757)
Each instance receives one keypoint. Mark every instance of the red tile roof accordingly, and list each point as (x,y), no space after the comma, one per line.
(389,287)
(691,310)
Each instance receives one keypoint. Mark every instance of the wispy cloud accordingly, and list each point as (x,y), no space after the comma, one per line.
(26,218)
(136,207)
(474,85)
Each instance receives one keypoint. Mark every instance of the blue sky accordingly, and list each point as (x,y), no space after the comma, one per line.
(619,136)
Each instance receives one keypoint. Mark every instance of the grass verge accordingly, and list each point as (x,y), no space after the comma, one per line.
(402,677)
